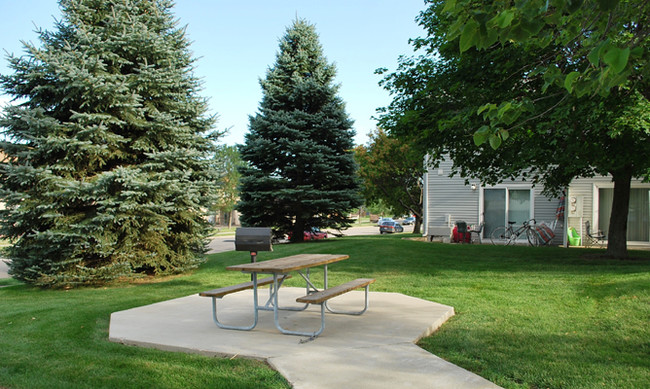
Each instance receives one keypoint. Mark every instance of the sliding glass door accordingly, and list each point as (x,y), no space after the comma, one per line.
(501,205)
(638,216)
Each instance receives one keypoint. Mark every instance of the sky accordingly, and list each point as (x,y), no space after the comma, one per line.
(235,42)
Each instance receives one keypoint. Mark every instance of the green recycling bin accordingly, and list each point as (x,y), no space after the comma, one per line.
(574,237)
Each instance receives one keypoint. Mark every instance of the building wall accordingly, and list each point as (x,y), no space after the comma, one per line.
(586,189)
(448,200)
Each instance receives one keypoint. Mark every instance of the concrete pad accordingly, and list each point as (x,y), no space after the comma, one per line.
(376,347)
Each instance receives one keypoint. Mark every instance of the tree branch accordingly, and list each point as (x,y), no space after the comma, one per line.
(540,115)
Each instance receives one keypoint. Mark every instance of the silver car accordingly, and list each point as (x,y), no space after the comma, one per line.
(390,227)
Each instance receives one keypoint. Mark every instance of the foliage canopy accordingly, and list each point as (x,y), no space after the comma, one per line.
(497,116)
(392,171)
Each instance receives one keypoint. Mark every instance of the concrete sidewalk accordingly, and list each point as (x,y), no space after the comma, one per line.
(374,350)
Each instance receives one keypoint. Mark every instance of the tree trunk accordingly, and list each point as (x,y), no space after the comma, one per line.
(230,219)
(617,235)
(418,215)
(298,232)
(417,225)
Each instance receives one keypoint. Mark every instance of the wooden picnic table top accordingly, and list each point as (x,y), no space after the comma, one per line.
(288,264)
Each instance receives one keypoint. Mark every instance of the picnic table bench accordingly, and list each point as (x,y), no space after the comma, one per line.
(226,290)
(322,296)
(280,269)
(220,292)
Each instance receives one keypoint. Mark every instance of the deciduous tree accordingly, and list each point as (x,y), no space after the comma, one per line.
(392,170)
(229,163)
(499,118)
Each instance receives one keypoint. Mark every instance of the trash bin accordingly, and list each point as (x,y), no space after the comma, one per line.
(574,237)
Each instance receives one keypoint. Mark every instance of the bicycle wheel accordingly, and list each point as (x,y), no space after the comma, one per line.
(533,239)
(500,235)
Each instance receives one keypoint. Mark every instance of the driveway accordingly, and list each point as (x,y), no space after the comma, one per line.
(221,244)
(369,230)
(227,243)
(4,269)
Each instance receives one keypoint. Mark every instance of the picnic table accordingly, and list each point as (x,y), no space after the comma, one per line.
(280,270)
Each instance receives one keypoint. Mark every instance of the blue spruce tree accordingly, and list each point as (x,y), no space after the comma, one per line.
(300,170)
(107,161)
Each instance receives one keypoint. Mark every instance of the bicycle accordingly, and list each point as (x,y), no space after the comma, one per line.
(506,235)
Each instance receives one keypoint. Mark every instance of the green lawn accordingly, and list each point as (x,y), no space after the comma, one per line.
(526,317)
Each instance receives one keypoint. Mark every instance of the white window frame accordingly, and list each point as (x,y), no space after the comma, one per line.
(507,187)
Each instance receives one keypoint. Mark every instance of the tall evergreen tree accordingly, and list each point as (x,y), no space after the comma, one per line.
(300,169)
(107,153)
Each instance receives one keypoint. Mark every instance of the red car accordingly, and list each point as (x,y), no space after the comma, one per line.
(313,234)
(316,234)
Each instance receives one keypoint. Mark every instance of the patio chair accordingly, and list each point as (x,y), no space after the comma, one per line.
(594,238)
(477,231)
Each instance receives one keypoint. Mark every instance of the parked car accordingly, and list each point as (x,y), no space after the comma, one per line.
(384,220)
(312,234)
(390,227)
(316,234)
(408,220)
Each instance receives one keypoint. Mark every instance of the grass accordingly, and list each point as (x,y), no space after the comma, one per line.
(222,231)
(526,317)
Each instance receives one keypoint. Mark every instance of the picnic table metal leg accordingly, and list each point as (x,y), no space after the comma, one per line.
(365,308)
(309,286)
(299,333)
(273,290)
(240,328)
(344,312)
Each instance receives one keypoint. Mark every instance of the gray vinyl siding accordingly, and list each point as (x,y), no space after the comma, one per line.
(584,187)
(546,211)
(449,198)
(545,207)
